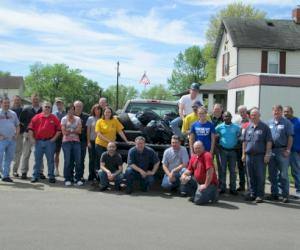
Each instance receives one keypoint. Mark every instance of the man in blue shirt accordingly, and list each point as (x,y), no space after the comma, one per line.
(228,134)
(295,151)
(203,131)
(143,163)
(282,135)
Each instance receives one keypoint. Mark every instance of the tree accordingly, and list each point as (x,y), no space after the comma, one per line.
(158,92)
(232,10)
(58,80)
(125,93)
(4,73)
(189,67)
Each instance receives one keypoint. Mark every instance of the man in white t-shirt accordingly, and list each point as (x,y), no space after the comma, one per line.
(185,108)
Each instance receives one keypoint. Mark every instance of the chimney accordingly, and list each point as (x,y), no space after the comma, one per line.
(296,15)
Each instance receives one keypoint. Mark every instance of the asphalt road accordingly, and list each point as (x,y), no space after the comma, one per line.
(43,216)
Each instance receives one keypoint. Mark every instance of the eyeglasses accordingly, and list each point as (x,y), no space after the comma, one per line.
(47,107)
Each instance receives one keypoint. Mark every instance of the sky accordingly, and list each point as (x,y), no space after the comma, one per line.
(93,35)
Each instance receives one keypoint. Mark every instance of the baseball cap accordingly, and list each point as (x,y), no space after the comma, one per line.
(196,104)
(58,99)
(195,86)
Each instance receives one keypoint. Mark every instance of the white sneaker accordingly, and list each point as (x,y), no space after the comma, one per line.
(56,172)
(68,183)
(79,183)
(298,194)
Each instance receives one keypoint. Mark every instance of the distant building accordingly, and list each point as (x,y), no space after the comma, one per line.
(11,86)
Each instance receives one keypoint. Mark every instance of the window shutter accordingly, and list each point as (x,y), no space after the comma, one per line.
(264,61)
(223,65)
(282,59)
(228,61)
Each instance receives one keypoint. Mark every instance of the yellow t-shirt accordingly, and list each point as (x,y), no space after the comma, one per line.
(189,120)
(109,129)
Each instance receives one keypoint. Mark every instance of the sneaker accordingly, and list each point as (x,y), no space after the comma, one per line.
(285,200)
(34,180)
(7,179)
(258,200)
(24,176)
(79,183)
(297,194)
(42,176)
(52,180)
(250,197)
(56,172)
(15,174)
(68,183)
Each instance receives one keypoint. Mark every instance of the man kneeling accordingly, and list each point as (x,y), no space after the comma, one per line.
(111,166)
(200,180)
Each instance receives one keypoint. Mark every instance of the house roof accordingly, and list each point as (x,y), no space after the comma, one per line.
(260,33)
(11,82)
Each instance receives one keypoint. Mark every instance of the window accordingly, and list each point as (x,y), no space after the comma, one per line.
(225,70)
(273,62)
(239,99)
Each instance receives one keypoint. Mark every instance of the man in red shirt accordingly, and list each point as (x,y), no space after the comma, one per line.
(200,180)
(44,129)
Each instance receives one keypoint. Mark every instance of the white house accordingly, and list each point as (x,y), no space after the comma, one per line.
(270,49)
(11,86)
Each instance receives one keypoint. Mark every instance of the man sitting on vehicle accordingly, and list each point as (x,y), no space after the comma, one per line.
(174,161)
(143,163)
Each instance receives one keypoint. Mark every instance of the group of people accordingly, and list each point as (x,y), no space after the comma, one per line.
(243,142)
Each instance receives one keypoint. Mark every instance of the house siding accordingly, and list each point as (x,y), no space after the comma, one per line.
(249,60)
(292,62)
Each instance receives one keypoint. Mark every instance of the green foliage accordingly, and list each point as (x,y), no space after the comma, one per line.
(210,67)
(125,93)
(4,73)
(189,67)
(58,80)
(237,9)
(158,92)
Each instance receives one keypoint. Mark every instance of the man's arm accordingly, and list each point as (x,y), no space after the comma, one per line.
(181,108)
(209,176)
(213,141)
(191,142)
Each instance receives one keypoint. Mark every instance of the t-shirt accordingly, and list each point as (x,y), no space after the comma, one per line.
(91,124)
(71,125)
(199,165)
(8,123)
(188,102)
(112,163)
(202,132)
(173,158)
(109,129)
(144,160)
(59,114)
(189,120)
(229,134)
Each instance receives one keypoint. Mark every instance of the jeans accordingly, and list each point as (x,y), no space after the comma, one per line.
(295,169)
(257,174)
(228,158)
(7,153)
(19,149)
(200,197)
(166,184)
(42,147)
(72,149)
(105,182)
(132,175)
(94,161)
(278,167)
(241,168)
(175,126)
(99,151)
(83,146)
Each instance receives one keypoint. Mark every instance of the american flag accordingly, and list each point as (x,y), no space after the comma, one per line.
(145,80)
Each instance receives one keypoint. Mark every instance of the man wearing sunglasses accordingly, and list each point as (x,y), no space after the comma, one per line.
(44,129)
(9,130)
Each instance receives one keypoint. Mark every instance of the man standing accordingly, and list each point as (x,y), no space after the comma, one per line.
(203,131)
(83,137)
(228,134)
(17,107)
(282,135)
(295,151)
(257,146)
(44,129)
(143,163)
(185,108)
(174,162)
(191,118)
(200,180)
(59,113)
(111,166)
(25,118)
(9,131)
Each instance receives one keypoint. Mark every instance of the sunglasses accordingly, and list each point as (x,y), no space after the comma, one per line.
(47,107)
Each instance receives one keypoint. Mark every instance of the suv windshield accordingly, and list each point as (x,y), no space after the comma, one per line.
(159,108)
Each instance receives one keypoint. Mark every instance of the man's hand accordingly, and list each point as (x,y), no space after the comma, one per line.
(109,175)
(143,174)
(184,179)
(172,177)
(32,140)
(243,158)
(202,187)
(267,158)
(286,153)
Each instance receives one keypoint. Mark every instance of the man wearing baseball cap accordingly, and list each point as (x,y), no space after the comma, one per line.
(185,108)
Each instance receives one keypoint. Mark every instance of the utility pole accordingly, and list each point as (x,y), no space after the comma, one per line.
(117,97)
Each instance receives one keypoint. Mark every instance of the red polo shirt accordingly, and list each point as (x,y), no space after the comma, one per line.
(199,165)
(44,127)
